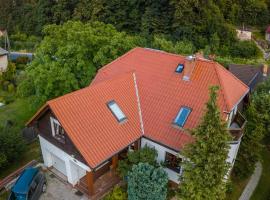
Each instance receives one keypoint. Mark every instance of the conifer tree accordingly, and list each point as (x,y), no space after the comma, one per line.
(205,167)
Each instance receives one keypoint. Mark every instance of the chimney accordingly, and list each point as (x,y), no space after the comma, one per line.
(189,67)
(265,70)
(199,54)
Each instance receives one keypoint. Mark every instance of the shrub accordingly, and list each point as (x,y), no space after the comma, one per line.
(147,182)
(144,155)
(117,194)
(12,144)
(11,88)
(245,49)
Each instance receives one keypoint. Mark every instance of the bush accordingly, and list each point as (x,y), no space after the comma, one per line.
(144,155)
(245,49)
(147,182)
(12,144)
(117,194)
(11,88)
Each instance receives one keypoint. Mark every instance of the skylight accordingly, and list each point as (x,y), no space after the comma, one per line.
(116,111)
(179,68)
(182,116)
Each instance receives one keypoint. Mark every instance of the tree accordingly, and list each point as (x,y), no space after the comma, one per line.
(143,155)
(249,152)
(147,182)
(12,144)
(205,167)
(69,56)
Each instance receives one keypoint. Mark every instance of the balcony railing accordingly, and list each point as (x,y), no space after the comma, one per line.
(237,126)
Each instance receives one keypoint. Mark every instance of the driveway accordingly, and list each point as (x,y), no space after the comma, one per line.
(58,190)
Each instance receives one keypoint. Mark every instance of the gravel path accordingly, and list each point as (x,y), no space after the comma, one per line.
(251,186)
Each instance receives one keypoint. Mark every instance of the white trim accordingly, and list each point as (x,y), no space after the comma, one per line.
(53,120)
(138,101)
(240,99)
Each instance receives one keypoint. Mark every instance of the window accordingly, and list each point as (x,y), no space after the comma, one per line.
(117,112)
(182,116)
(57,131)
(173,162)
(179,68)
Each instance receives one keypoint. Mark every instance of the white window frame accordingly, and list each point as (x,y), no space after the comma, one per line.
(116,111)
(55,121)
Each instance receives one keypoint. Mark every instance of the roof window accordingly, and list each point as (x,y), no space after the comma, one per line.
(179,68)
(116,111)
(182,116)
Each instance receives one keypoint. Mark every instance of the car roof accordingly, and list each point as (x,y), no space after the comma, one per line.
(22,184)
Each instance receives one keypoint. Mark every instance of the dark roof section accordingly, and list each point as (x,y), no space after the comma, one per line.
(251,75)
(3,52)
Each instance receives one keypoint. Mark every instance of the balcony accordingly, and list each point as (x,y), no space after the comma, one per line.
(237,126)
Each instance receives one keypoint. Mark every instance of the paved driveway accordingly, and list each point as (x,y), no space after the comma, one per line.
(58,190)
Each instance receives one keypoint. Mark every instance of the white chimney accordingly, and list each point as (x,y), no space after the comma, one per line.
(189,67)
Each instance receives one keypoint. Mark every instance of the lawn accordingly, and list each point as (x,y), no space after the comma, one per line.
(262,191)
(237,188)
(19,112)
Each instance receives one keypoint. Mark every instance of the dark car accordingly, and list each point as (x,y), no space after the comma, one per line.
(29,186)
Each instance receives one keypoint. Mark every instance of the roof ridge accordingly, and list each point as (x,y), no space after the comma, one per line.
(221,89)
(228,72)
(91,87)
(161,51)
(119,58)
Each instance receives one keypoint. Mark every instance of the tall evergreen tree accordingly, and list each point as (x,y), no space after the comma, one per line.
(249,152)
(206,167)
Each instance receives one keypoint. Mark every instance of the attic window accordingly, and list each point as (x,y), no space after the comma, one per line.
(116,111)
(179,68)
(182,116)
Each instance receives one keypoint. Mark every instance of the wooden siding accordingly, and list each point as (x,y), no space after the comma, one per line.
(43,126)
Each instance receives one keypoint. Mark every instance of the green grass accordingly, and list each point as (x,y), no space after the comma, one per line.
(19,112)
(32,152)
(262,191)
(237,188)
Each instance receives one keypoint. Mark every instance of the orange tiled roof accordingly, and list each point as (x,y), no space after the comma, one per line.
(162,91)
(90,124)
(97,134)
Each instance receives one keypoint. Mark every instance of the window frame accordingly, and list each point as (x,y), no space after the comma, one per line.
(168,163)
(182,69)
(178,115)
(55,133)
(114,114)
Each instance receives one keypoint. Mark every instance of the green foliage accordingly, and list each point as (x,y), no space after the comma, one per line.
(12,145)
(250,148)
(180,47)
(10,73)
(147,182)
(245,49)
(143,155)
(69,56)
(206,166)
(117,194)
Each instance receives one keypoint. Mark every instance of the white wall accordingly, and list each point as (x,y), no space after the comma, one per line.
(74,168)
(3,63)
(161,150)
(233,153)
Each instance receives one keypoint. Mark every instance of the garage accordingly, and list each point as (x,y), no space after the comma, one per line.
(59,164)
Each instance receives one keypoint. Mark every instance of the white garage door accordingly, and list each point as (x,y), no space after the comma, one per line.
(59,164)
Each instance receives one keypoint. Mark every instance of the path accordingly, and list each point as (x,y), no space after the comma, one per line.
(266,55)
(253,182)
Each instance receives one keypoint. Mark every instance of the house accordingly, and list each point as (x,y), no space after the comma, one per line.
(251,75)
(267,34)
(243,34)
(146,97)
(3,60)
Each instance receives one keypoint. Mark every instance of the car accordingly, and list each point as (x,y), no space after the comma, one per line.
(29,186)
